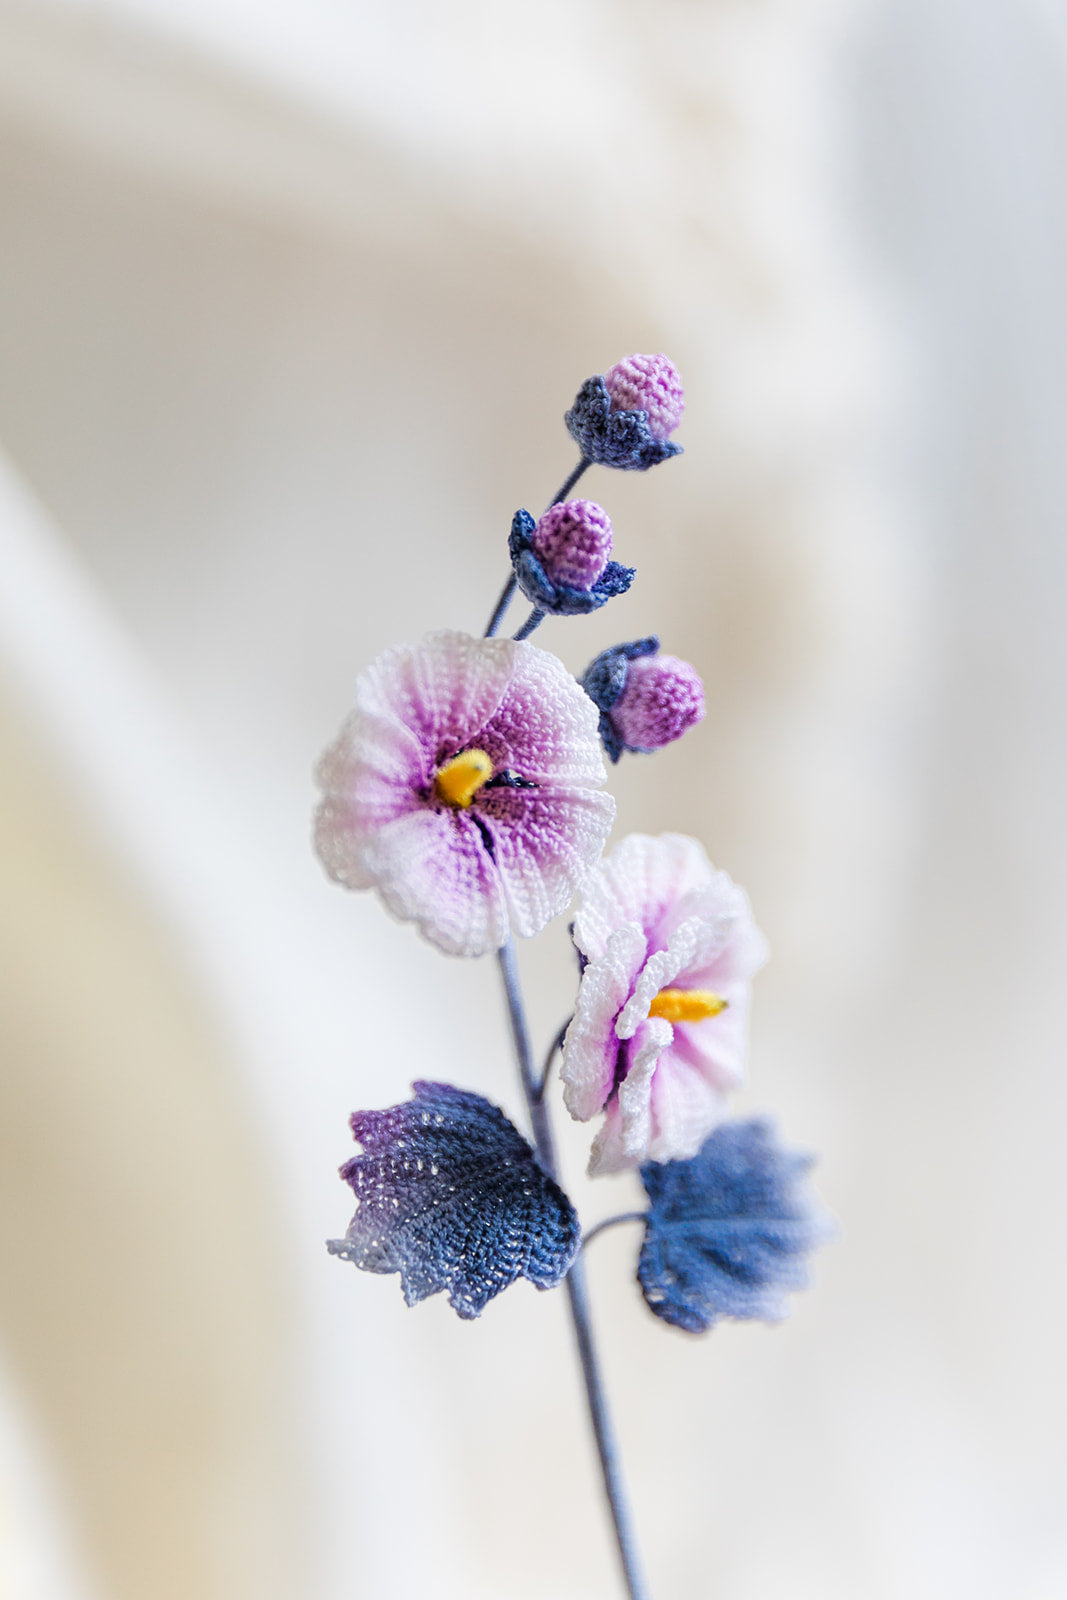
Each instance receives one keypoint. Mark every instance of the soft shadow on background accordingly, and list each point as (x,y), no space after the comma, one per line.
(292,299)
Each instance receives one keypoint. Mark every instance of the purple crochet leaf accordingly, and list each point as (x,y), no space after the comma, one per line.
(729,1231)
(449,1194)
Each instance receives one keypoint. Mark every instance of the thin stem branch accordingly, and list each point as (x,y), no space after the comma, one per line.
(565,489)
(507,594)
(607,1448)
(612,1222)
(534,620)
(546,1071)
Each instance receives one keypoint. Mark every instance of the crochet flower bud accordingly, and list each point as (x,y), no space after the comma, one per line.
(562,563)
(572,541)
(648,383)
(662,698)
(645,700)
(624,417)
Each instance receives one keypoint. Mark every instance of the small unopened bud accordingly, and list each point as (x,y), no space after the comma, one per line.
(572,541)
(662,698)
(651,384)
(645,700)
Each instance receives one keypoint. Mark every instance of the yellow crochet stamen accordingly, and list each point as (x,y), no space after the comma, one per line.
(459,780)
(687,1005)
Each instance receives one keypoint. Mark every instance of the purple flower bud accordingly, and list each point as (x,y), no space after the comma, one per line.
(662,698)
(651,384)
(645,700)
(623,417)
(572,541)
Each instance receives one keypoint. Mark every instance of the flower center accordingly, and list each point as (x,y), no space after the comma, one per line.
(686,1005)
(459,780)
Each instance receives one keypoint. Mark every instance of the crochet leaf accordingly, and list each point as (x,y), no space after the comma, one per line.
(449,1194)
(728,1233)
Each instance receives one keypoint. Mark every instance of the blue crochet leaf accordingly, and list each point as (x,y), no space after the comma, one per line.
(728,1233)
(449,1194)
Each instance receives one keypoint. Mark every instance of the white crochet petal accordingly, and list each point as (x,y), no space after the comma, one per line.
(591,1047)
(641,878)
(684,1109)
(626,1134)
(737,949)
(689,945)
(717,1047)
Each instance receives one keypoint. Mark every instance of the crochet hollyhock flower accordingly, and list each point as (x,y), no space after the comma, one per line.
(645,700)
(465,788)
(624,417)
(660,1028)
(561,561)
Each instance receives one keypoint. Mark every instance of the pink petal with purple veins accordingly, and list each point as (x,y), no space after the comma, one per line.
(432,868)
(546,726)
(443,690)
(544,843)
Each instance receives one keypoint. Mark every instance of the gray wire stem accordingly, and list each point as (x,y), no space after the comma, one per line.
(612,1222)
(507,594)
(604,1433)
(546,1071)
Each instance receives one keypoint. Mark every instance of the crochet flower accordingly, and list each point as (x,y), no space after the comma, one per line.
(645,700)
(659,1035)
(465,788)
(624,417)
(561,562)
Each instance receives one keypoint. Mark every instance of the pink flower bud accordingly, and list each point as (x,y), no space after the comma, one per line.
(572,541)
(651,384)
(663,697)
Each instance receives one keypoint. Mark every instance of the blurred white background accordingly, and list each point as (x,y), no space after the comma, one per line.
(292,299)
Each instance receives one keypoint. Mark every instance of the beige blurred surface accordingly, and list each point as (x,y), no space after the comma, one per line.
(140,1309)
(291,300)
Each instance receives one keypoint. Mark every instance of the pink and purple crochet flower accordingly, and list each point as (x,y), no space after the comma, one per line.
(465,787)
(660,1028)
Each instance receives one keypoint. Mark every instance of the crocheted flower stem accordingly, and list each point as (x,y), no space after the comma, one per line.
(612,1222)
(554,1048)
(534,620)
(604,1433)
(507,594)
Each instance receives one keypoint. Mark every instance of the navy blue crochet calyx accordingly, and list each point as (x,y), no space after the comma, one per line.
(450,1196)
(729,1232)
(614,438)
